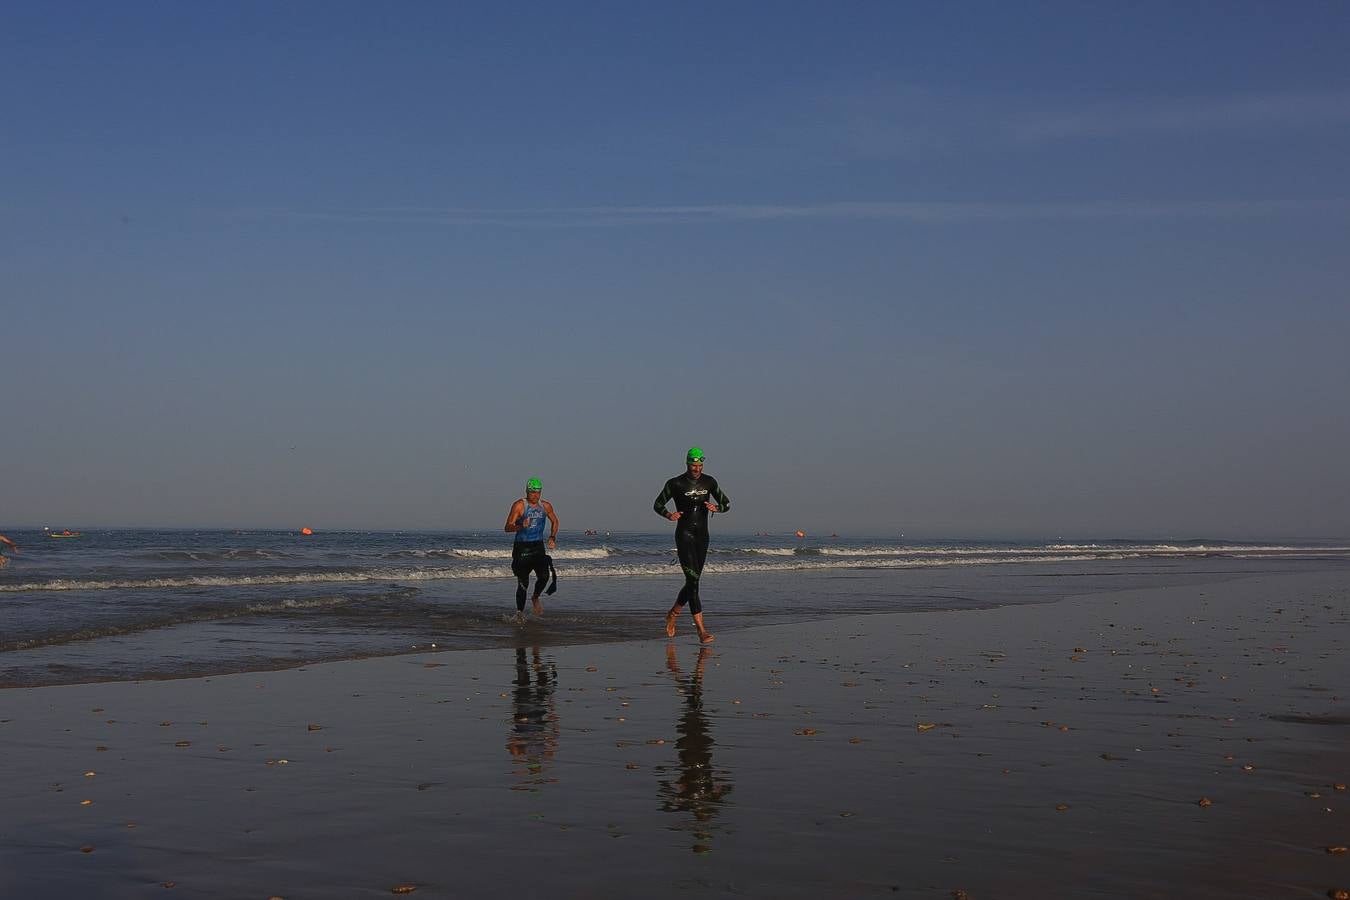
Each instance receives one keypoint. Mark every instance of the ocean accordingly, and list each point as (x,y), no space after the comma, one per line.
(143,604)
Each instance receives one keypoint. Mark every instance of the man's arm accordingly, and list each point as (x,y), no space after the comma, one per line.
(723,501)
(662,499)
(553,523)
(512,518)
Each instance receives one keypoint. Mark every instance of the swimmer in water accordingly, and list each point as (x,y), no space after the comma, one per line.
(13,547)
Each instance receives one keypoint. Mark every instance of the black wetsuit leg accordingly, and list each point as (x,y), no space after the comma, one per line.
(540,573)
(522,572)
(527,557)
(692,547)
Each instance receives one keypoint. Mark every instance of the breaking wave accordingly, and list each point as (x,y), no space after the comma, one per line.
(464,563)
(425,574)
(496,553)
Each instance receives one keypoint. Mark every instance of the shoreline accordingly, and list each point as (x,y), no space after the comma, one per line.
(911,754)
(209,637)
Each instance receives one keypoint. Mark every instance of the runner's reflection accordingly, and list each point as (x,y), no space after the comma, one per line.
(533,740)
(698,787)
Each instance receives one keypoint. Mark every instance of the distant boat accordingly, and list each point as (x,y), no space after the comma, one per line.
(63,534)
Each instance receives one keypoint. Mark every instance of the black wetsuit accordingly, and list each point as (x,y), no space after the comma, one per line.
(691,530)
(527,557)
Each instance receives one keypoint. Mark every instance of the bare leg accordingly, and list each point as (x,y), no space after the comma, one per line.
(538,607)
(670,620)
(704,635)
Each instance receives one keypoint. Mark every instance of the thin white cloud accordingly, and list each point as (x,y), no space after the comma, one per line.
(874,122)
(1186,116)
(916,212)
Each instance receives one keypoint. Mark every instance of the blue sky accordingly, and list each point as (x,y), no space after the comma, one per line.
(978,269)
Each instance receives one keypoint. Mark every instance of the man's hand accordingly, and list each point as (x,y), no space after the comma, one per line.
(711,505)
(552,542)
(675,516)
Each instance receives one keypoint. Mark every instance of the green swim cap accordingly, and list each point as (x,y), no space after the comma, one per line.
(695,454)
(533,485)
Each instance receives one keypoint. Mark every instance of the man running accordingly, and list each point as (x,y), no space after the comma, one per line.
(696,497)
(526,519)
(6,542)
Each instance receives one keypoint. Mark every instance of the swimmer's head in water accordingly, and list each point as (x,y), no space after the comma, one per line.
(695,455)
(533,486)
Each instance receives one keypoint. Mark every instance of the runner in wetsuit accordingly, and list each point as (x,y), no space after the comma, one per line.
(696,497)
(528,554)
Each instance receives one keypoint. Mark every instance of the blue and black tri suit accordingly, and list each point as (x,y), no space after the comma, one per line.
(528,553)
(691,529)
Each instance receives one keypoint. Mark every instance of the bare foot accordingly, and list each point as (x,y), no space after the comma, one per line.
(538,608)
(704,635)
(670,623)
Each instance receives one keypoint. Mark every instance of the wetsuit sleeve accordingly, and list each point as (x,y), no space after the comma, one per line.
(723,501)
(662,499)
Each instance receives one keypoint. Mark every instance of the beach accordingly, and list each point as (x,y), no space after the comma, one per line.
(1186,740)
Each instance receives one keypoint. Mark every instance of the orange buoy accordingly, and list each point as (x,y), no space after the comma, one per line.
(306,530)
(801,534)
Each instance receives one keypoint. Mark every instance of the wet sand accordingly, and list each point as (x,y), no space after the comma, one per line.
(1056,750)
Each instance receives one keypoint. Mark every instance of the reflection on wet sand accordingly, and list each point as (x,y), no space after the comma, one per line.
(533,740)
(698,788)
